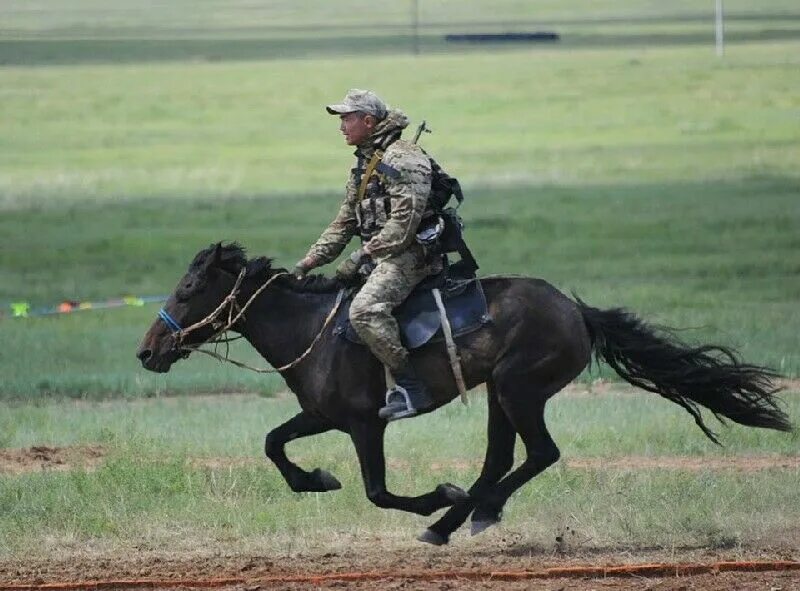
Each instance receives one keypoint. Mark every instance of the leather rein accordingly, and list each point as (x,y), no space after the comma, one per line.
(234,314)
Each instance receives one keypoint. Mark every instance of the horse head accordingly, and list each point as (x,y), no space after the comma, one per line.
(212,277)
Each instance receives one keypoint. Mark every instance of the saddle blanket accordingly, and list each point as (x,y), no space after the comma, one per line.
(419,317)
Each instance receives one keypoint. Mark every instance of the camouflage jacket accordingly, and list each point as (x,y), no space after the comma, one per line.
(394,203)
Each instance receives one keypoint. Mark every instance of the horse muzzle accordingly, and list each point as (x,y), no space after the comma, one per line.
(156,362)
(158,352)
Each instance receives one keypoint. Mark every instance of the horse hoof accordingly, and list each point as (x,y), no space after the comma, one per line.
(451,492)
(483,519)
(326,480)
(431,537)
(479,526)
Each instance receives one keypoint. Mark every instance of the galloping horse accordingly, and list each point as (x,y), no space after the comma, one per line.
(538,341)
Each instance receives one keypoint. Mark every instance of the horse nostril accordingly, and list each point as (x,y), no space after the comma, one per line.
(144,355)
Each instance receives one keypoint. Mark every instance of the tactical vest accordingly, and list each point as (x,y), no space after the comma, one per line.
(374,205)
(374,208)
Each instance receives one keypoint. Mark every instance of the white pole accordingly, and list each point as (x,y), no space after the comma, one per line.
(720,29)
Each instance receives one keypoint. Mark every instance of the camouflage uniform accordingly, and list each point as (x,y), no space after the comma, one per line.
(386,220)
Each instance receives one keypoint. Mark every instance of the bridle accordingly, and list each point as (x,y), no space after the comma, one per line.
(234,314)
(220,327)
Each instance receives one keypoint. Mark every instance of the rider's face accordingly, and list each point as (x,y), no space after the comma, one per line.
(356,127)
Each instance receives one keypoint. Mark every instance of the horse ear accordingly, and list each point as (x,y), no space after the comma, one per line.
(216,258)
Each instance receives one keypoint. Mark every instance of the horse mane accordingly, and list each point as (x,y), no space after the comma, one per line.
(317,283)
(233,256)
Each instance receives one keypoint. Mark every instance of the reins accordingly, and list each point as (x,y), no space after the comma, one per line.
(233,317)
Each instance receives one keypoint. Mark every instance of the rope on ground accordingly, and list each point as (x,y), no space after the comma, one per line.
(627,570)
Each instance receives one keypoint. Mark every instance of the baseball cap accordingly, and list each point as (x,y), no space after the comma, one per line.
(364,101)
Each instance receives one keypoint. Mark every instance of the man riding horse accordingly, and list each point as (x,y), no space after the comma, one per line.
(537,342)
(385,200)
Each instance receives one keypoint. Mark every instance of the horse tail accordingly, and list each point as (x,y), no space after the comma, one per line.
(713,376)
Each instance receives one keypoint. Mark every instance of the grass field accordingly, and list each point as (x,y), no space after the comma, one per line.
(174,476)
(51,32)
(719,258)
(627,164)
(662,179)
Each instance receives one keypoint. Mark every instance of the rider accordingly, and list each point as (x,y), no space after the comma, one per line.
(385,199)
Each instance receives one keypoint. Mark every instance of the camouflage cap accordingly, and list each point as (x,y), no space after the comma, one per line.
(364,101)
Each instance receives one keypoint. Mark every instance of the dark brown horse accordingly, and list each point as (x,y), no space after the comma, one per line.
(538,341)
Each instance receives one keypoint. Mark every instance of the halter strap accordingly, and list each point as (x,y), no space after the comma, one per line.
(169,320)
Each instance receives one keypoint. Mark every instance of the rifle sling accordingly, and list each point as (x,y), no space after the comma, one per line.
(373,163)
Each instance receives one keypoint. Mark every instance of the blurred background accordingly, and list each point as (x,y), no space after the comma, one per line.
(614,149)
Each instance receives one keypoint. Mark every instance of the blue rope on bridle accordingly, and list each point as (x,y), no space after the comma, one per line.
(169,321)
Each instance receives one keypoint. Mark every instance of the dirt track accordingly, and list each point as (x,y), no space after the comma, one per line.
(399,564)
(400,561)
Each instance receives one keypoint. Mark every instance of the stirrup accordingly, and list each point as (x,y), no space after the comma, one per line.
(398,405)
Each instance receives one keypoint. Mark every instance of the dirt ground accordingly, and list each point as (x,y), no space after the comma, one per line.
(393,566)
(402,568)
(88,457)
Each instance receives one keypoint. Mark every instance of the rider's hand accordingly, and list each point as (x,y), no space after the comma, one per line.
(348,269)
(302,268)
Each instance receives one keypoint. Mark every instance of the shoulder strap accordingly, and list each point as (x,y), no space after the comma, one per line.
(373,163)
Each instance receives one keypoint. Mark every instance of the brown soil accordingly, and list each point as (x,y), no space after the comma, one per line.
(403,567)
(88,457)
(40,457)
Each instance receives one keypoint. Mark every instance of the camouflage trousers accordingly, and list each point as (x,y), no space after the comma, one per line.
(389,284)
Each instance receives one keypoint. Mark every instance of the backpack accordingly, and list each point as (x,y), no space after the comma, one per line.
(444,231)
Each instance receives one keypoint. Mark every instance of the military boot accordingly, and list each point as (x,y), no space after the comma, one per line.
(407,398)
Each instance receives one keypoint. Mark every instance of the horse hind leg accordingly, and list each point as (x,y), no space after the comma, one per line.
(523,403)
(500,435)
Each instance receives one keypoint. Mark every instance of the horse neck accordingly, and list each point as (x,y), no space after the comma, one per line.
(280,323)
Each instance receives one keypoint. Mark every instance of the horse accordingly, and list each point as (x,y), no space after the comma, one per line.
(537,341)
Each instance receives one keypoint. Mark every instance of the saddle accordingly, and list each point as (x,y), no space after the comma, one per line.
(418,316)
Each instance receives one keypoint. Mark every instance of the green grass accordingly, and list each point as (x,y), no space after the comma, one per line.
(167,506)
(717,258)
(48,51)
(583,425)
(227,130)
(145,491)
(85,32)
(53,17)
(663,180)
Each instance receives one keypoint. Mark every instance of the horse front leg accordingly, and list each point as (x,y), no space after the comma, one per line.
(299,480)
(367,436)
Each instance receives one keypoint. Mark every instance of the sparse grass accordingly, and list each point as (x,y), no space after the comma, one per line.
(169,506)
(146,490)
